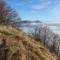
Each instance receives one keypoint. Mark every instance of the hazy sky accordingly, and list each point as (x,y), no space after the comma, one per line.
(45,10)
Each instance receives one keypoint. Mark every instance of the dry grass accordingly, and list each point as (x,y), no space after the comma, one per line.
(21,47)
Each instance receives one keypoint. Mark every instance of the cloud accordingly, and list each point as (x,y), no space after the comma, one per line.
(55,29)
(41,5)
(53,21)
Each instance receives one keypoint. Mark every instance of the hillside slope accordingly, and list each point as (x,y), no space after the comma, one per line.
(16,45)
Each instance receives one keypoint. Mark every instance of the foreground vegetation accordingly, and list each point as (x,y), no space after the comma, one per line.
(16,45)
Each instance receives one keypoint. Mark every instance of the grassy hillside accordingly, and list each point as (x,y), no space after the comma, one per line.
(16,45)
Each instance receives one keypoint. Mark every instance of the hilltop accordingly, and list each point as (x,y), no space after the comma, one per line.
(16,45)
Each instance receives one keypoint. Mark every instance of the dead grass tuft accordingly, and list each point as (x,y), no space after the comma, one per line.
(21,47)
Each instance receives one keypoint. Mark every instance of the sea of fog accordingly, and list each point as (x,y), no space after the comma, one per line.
(55,29)
(26,27)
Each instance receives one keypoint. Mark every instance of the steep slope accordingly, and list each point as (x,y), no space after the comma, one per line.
(16,45)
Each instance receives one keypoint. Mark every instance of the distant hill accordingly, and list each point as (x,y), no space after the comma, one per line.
(16,45)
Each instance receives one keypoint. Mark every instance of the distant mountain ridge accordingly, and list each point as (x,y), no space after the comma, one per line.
(30,21)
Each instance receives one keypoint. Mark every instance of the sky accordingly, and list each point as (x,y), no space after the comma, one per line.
(45,10)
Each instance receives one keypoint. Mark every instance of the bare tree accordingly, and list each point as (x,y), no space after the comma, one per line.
(35,33)
(45,34)
(8,15)
(53,47)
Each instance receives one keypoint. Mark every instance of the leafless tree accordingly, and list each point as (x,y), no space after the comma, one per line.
(53,46)
(35,33)
(8,15)
(45,35)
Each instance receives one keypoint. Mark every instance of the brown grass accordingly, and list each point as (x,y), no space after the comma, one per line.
(21,47)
